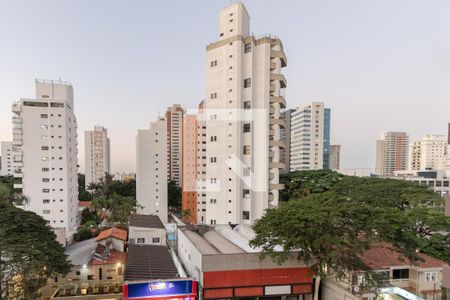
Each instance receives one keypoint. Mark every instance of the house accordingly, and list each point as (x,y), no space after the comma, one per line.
(401,278)
(114,238)
(147,230)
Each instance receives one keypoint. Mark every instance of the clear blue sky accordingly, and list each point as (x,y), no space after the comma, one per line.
(379,64)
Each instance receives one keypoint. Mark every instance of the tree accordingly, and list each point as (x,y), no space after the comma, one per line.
(83,233)
(29,254)
(331,227)
(174,196)
(5,194)
(81,182)
(121,208)
(87,215)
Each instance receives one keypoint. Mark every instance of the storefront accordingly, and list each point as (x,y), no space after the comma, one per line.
(171,289)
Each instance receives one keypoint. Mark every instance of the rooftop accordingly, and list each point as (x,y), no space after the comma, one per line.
(385,256)
(147,221)
(80,253)
(104,256)
(146,262)
(84,203)
(113,232)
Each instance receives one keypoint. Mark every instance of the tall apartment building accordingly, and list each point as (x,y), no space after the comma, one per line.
(335,157)
(174,117)
(286,137)
(6,166)
(427,153)
(45,155)
(190,168)
(244,120)
(97,154)
(310,137)
(201,162)
(151,170)
(392,153)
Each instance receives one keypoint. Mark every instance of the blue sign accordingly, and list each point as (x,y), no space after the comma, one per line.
(157,289)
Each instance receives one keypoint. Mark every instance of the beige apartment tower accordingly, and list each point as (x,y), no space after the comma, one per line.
(392,153)
(97,155)
(174,117)
(335,157)
(244,122)
(428,153)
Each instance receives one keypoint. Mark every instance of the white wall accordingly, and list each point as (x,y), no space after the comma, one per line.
(6,167)
(148,234)
(151,170)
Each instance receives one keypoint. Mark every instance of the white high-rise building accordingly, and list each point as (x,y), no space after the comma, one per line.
(151,169)
(243,111)
(174,117)
(45,154)
(392,153)
(97,155)
(6,166)
(428,153)
(335,157)
(310,137)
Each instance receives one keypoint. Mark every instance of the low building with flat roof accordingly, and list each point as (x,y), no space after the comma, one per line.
(226,266)
(147,230)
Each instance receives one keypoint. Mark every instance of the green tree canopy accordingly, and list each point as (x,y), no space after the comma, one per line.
(339,217)
(174,196)
(29,253)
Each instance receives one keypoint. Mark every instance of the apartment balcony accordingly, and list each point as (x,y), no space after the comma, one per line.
(17,130)
(273,66)
(279,54)
(17,175)
(16,108)
(276,186)
(272,88)
(271,176)
(271,197)
(277,144)
(280,78)
(278,99)
(280,122)
(18,164)
(276,165)
(16,120)
(18,185)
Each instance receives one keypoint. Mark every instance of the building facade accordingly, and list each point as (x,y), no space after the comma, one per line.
(244,88)
(335,157)
(97,155)
(174,117)
(151,170)
(427,154)
(45,154)
(190,169)
(6,165)
(392,153)
(310,137)
(286,137)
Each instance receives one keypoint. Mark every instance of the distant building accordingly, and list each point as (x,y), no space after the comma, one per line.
(358,172)
(151,170)
(45,155)
(97,155)
(391,153)
(286,137)
(438,180)
(124,176)
(190,169)
(6,165)
(335,157)
(428,153)
(174,118)
(310,137)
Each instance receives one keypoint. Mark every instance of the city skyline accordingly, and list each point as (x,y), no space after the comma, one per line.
(373,64)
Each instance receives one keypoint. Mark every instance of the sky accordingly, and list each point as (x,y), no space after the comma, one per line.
(378,64)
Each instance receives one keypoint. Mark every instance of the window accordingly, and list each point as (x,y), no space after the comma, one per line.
(45,169)
(214,96)
(46,190)
(213,63)
(213,159)
(246,215)
(46,201)
(214,138)
(155,240)
(247,82)
(90,277)
(141,240)
(430,276)
(246,150)
(247,48)
(247,104)
(45,179)
(246,127)
(44,126)
(246,193)
(44,116)
(46,211)
(44,148)
(400,274)
(44,137)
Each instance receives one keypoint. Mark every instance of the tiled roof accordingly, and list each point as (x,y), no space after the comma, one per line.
(385,256)
(114,232)
(146,262)
(105,256)
(84,203)
(147,221)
